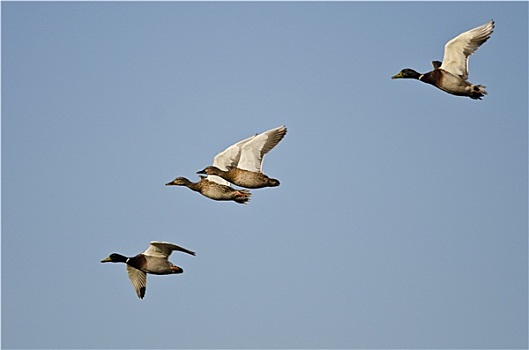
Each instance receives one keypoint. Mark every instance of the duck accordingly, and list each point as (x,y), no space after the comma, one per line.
(213,188)
(153,261)
(242,163)
(451,75)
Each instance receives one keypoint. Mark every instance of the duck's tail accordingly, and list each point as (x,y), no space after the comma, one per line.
(242,196)
(477,92)
(273,182)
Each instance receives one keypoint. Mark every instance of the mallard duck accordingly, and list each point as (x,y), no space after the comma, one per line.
(242,163)
(217,189)
(154,261)
(451,75)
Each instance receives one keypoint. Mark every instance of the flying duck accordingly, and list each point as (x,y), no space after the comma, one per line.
(213,188)
(451,75)
(154,261)
(242,163)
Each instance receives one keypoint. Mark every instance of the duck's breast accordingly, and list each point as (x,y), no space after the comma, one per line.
(448,82)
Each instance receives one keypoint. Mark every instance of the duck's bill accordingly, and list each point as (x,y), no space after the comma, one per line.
(106,260)
(397,76)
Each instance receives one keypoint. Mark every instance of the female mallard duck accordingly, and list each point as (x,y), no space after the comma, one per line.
(451,75)
(153,261)
(242,163)
(217,189)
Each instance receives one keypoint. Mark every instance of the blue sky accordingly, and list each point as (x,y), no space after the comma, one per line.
(400,222)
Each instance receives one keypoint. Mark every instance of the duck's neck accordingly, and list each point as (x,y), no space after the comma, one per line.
(415,75)
(195,186)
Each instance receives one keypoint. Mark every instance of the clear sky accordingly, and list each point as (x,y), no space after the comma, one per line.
(400,221)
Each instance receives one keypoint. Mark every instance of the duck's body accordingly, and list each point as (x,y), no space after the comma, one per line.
(153,261)
(241,177)
(451,75)
(153,265)
(447,82)
(213,190)
(242,163)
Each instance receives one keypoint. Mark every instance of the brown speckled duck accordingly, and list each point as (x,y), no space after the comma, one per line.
(154,261)
(217,189)
(451,75)
(242,163)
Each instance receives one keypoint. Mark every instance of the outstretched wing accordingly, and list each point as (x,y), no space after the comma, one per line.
(458,49)
(164,249)
(138,279)
(227,158)
(230,156)
(254,150)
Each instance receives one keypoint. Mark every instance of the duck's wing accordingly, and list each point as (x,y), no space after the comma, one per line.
(217,179)
(226,159)
(231,155)
(458,49)
(436,64)
(138,279)
(164,249)
(254,150)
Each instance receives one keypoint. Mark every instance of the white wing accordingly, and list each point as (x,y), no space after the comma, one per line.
(164,249)
(227,158)
(138,279)
(218,179)
(230,156)
(458,49)
(254,150)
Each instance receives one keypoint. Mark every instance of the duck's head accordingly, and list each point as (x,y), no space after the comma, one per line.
(179,181)
(115,258)
(406,73)
(210,170)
